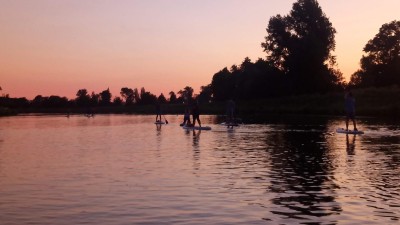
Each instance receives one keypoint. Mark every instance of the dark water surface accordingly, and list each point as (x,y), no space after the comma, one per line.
(123,169)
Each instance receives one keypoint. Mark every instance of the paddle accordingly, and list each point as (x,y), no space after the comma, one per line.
(166,121)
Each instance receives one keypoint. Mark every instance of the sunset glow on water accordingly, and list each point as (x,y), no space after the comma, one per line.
(123,169)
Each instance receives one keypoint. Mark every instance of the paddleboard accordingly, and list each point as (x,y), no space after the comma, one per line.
(196,128)
(230,124)
(344,131)
(159,122)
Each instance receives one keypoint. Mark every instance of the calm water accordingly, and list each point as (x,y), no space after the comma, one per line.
(123,169)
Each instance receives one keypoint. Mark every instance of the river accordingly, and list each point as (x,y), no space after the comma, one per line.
(124,169)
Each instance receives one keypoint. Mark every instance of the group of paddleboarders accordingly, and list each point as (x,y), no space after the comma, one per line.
(195,112)
(193,109)
(190,110)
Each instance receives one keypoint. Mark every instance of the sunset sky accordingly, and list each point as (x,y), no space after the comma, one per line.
(55,47)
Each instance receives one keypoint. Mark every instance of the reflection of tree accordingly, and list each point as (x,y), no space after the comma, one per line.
(300,176)
(382,167)
(289,165)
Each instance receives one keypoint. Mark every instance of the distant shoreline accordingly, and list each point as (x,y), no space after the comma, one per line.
(378,102)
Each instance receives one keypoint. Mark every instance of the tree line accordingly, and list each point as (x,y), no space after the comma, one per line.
(128,97)
(299,60)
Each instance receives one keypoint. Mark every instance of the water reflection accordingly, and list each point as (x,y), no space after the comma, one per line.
(301,175)
(158,128)
(196,138)
(350,144)
(281,172)
(196,149)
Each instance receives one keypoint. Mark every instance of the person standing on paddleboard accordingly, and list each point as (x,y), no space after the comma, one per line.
(158,111)
(350,107)
(230,111)
(186,117)
(196,113)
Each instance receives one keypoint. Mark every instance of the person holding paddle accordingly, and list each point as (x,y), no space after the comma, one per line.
(350,107)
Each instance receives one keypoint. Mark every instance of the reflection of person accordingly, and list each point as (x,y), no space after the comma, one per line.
(186,118)
(196,138)
(230,111)
(350,105)
(350,146)
(196,114)
(158,111)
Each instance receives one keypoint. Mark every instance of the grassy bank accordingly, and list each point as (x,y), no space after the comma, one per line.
(369,102)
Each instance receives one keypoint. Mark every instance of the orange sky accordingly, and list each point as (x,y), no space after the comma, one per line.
(52,47)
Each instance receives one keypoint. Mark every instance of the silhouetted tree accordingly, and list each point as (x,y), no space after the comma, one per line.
(136,95)
(248,81)
(13,103)
(105,97)
(147,98)
(258,80)
(205,95)
(186,95)
(172,97)
(301,44)
(381,64)
(356,79)
(49,102)
(128,95)
(56,102)
(222,85)
(161,99)
(117,101)
(94,99)
(82,98)
(37,102)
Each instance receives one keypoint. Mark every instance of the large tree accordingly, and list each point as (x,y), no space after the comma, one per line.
(301,45)
(186,95)
(381,64)
(128,95)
